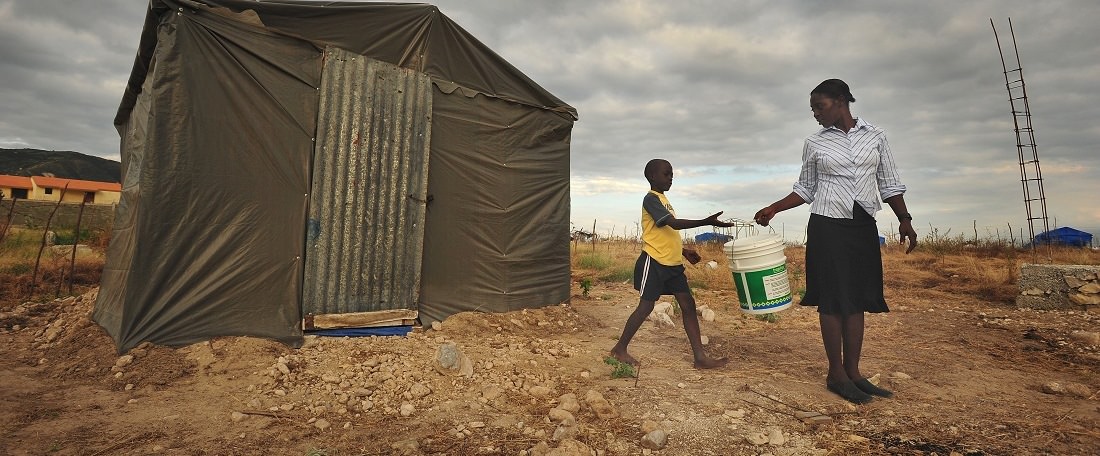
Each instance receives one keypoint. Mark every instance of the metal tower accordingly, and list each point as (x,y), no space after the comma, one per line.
(1031,178)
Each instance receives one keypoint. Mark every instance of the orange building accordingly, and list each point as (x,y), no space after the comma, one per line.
(43,188)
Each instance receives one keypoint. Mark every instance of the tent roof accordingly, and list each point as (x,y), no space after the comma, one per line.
(413,36)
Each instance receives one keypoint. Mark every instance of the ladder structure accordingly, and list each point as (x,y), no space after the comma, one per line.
(1031,178)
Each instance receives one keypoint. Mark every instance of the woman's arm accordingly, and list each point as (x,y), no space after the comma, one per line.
(897,203)
(764,216)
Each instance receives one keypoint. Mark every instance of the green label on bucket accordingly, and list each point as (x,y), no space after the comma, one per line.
(763,289)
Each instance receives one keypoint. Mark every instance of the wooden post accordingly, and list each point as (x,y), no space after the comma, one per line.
(60,280)
(7,222)
(76,241)
(593,235)
(45,233)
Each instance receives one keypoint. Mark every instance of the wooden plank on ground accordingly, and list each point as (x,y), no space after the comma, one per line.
(393,317)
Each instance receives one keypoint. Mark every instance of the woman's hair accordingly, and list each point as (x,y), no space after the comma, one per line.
(836,89)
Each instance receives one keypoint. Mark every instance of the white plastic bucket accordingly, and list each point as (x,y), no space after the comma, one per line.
(759,270)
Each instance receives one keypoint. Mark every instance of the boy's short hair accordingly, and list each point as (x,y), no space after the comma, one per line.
(652,166)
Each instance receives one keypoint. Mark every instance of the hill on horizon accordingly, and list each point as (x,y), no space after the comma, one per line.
(65,164)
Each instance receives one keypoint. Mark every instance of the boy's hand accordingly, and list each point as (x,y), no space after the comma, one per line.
(691,255)
(713,220)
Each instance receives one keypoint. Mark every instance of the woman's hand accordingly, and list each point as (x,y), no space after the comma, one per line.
(906,230)
(764,216)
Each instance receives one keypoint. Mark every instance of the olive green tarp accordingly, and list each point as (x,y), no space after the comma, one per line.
(217,127)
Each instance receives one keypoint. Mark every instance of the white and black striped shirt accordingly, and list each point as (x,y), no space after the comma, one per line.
(840,169)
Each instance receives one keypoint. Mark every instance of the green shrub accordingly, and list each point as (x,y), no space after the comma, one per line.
(18,269)
(16,240)
(618,274)
(66,237)
(594,261)
(619,368)
(768,317)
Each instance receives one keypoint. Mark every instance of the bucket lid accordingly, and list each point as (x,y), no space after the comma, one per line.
(753,242)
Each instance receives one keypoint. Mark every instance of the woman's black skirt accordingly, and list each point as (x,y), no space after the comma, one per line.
(844,265)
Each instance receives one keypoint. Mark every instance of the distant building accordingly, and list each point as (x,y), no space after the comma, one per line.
(43,188)
(15,186)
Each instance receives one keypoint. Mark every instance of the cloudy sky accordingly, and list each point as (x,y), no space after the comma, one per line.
(719,88)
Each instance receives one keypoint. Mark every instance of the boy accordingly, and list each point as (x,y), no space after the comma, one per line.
(660,269)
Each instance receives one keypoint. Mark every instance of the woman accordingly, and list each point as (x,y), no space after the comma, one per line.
(846,169)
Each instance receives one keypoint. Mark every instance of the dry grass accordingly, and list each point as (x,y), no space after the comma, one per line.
(19,253)
(988,271)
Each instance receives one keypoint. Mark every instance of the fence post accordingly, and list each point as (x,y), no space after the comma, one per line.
(45,233)
(76,241)
(7,221)
(593,235)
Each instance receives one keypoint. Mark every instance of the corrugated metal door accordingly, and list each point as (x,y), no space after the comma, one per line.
(365,236)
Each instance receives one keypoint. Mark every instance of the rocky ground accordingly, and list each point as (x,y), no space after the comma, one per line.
(971,377)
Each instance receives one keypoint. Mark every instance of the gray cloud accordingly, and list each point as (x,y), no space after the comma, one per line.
(719,88)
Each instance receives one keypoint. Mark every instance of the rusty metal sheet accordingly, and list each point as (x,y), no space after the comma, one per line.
(365,233)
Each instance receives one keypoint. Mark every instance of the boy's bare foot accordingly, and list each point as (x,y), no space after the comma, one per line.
(711,363)
(624,357)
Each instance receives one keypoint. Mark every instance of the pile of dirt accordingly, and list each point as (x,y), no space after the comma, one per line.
(970,378)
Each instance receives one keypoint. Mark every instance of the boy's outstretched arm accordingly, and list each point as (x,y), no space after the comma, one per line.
(683,224)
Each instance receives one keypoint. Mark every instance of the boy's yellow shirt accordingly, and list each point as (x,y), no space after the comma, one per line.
(662,243)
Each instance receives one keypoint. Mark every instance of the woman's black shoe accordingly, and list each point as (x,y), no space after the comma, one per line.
(849,391)
(870,388)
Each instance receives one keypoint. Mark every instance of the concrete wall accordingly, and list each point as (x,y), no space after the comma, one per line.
(1059,286)
(34,214)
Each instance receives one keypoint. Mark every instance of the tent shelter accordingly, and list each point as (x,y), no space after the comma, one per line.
(289,165)
(1064,236)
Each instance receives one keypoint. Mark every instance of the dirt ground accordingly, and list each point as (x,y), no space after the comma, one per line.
(972,375)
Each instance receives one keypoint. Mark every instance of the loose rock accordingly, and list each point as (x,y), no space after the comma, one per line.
(539,391)
(1086,337)
(451,360)
(775,437)
(570,447)
(756,438)
(558,415)
(568,402)
(600,406)
(655,440)
(124,361)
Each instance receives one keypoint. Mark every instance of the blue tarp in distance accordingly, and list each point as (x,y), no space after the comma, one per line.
(1064,236)
(713,237)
